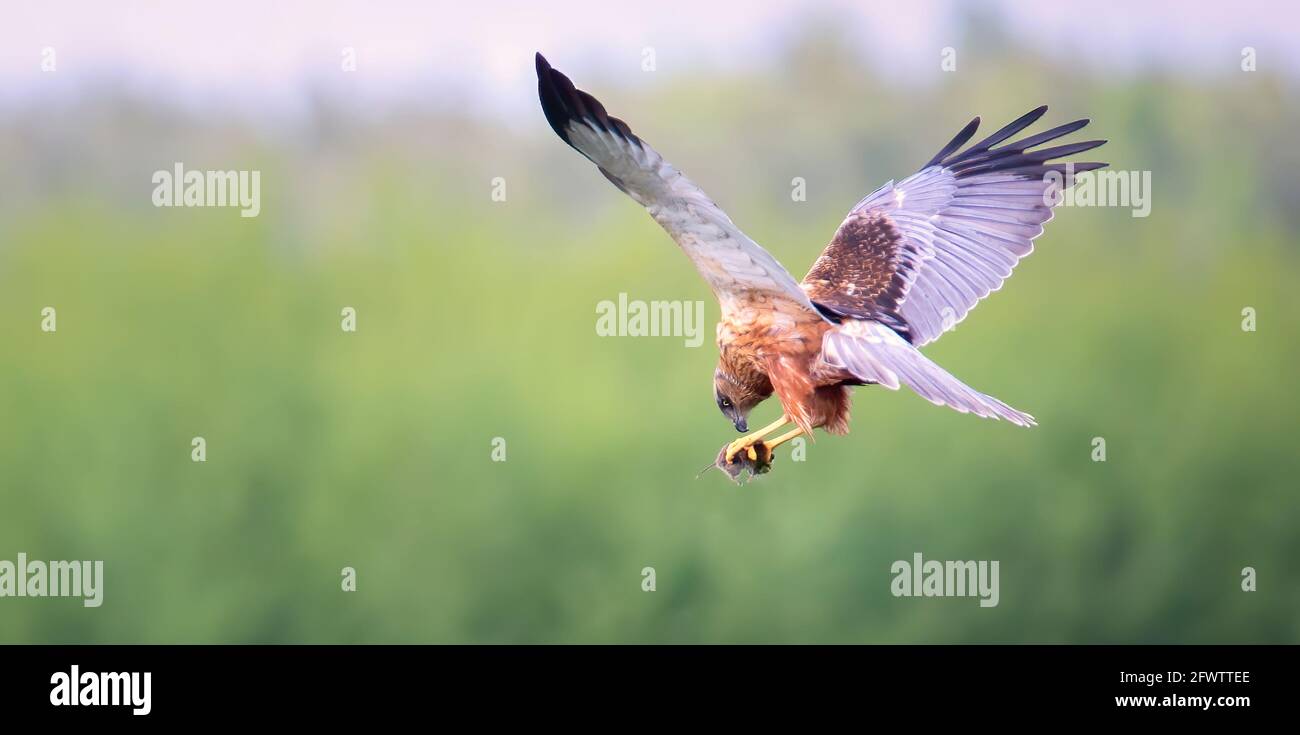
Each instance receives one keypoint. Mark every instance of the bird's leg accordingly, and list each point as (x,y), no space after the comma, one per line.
(747,441)
(787,436)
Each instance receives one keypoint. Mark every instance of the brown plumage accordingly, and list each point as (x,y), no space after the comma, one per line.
(908,262)
(766,347)
(862,271)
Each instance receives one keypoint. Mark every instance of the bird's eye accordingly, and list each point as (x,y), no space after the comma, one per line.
(726,403)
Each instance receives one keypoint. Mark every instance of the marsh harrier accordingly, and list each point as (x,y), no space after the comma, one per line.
(907,263)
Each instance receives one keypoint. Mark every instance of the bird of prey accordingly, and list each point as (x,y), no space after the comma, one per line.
(907,263)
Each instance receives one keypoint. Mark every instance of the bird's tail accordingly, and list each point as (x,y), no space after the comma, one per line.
(874,353)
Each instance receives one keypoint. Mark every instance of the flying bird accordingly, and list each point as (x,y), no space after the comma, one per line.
(908,262)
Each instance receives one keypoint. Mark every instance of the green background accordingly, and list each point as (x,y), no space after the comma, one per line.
(476,320)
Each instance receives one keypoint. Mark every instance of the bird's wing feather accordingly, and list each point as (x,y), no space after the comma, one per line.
(735,267)
(918,255)
(874,353)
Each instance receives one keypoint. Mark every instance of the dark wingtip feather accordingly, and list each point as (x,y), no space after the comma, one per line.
(1059,131)
(1047,154)
(957,142)
(1017,156)
(1008,130)
(1014,161)
(553,103)
(562,103)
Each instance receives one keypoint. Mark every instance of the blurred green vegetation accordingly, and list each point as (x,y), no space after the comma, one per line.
(476,320)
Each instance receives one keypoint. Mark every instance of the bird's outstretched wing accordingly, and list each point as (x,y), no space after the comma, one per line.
(872,352)
(918,255)
(736,268)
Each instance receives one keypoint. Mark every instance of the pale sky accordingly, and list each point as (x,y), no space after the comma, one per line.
(260,55)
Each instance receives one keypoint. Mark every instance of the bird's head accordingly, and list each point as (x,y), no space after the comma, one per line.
(735,400)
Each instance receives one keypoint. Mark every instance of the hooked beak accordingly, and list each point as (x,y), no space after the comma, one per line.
(741,424)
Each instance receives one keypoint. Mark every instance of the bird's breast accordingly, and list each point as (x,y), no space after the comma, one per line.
(751,339)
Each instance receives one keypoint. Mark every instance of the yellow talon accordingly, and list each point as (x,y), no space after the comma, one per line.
(787,436)
(747,441)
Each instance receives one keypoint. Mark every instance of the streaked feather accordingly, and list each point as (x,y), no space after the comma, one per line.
(737,269)
(954,230)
